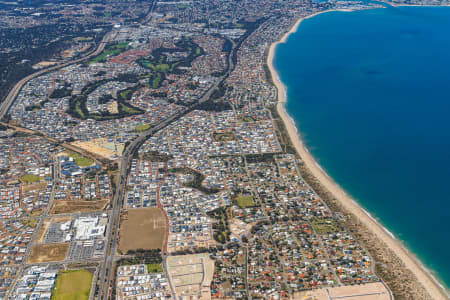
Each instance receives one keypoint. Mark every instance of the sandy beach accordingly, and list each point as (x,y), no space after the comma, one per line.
(432,286)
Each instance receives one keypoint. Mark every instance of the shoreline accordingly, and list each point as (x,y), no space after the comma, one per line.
(423,275)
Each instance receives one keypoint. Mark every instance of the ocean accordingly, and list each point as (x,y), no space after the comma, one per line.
(370,94)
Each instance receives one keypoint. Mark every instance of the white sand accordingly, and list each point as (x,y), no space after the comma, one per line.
(435,290)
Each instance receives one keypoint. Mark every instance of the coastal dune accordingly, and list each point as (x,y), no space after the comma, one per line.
(423,276)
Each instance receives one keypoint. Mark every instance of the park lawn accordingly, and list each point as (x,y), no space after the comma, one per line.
(73,285)
(142,127)
(325,226)
(122,45)
(80,160)
(110,51)
(30,222)
(154,268)
(156,81)
(173,66)
(128,109)
(245,201)
(247,119)
(79,110)
(223,136)
(125,95)
(30,178)
(161,68)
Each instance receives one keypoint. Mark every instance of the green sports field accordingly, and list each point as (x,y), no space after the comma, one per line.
(73,285)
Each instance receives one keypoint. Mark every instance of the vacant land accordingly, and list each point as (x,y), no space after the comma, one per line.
(30,222)
(155,268)
(35,212)
(101,147)
(34,186)
(48,253)
(113,108)
(42,231)
(142,228)
(73,285)
(142,127)
(191,275)
(61,207)
(325,226)
(156,156)
(245,201)
(43,64)
(369,291)
(30,178)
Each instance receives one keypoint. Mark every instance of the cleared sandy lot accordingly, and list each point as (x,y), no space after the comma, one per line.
(101,147)
(48,253)
(191,275)
(67,207)
(369,291)
(142,228)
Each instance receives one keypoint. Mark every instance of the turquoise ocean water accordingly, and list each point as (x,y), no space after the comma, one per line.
(370,94)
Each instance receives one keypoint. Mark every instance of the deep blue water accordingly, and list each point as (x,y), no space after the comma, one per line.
(370,93)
